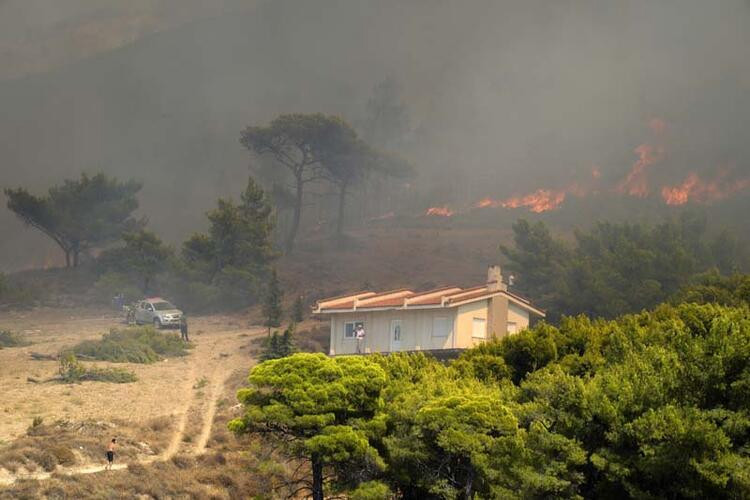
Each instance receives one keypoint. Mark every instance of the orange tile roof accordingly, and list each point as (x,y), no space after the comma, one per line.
(404,299)
(472,296)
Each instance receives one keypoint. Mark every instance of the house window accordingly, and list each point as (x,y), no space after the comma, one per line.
(479,328)
(441,326)
(350,327)
(512,327)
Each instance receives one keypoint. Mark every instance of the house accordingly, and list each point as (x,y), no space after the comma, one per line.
(444,318)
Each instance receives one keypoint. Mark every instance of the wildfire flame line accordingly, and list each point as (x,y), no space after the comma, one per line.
(696,189)
(692,189)
(636,183)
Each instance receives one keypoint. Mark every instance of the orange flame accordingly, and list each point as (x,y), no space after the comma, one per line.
(439,211)
(695,189)
(636,184)
(488,203)
(541,200)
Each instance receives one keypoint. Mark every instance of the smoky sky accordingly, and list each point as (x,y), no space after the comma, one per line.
(503,96)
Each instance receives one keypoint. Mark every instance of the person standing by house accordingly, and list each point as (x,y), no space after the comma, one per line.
(359,333)
(184,328)
(110,454)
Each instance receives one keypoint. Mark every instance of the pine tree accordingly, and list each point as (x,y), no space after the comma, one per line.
(272,348)
(298,310)
(272,308)
(287,346)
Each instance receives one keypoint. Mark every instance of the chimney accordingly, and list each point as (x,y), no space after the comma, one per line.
(495,279)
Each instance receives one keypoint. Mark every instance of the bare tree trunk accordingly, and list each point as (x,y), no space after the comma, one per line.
(342,206)
(296,218)
(317,470)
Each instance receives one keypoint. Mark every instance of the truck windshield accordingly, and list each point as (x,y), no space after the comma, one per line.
(163,306)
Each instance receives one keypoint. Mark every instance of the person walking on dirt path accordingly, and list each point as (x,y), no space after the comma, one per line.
(184,328)
(110,454)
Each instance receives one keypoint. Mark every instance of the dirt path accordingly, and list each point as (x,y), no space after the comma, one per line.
(216,356)
(174,443)
(216,385)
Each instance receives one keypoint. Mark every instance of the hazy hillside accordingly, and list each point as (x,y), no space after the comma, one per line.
(491,89)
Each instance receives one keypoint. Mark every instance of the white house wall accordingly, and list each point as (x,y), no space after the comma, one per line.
(416,330)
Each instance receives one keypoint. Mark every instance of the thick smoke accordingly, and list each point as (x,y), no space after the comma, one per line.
(505,98)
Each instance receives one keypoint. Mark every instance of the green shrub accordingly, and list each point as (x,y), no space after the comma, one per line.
(372,490)
(114,375)
(132,345)
(73,371)
(10,339)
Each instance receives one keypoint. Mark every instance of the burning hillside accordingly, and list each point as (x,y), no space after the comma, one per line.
(698,190)
(638,182)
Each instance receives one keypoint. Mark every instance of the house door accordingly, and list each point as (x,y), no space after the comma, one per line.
(395,335)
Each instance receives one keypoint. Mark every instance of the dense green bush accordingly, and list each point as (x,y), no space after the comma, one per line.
(133,345)
(650,405)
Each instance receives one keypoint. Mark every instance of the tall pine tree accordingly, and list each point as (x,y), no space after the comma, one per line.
(298,310)
(272,307)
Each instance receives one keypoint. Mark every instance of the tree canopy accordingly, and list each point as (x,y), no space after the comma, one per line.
(272,308)
(232,261)
(614,268)
(80,214)
(299,143)
(143,256)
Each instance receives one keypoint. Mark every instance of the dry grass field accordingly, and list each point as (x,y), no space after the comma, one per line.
(168,412)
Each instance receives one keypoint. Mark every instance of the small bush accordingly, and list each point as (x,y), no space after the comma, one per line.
(158,424)
(114,375)
(63,455)
(182,461)
(73,371)
(48,461)
(10,339)
(36,425)
(133,345)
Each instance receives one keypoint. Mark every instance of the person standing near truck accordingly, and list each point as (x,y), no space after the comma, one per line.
(184,328)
